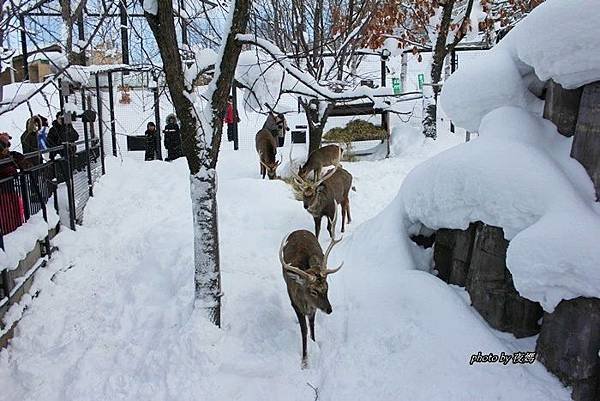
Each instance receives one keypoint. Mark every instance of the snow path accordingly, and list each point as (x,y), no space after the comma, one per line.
(119,324)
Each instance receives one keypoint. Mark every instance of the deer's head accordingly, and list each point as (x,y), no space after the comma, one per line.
(271,168)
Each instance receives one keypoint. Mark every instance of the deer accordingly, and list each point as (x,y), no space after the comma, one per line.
(320,198)
(305,273)
(329,155)
(266,147)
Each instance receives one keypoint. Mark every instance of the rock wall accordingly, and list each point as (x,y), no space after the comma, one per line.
(562,107)
(475,258)
(586,144)
(568,346)
(569,340)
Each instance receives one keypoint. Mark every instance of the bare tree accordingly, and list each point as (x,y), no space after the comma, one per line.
(201,138)
(321,37)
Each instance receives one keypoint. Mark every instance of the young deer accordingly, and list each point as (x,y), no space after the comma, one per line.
(266,146)
(322,197)
(329,155)
(305,273)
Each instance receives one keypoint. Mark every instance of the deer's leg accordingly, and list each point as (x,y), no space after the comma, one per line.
(343,204)
(348,210)
(330,226)
(263,171)
(317,225)
(303,329)
(311,323)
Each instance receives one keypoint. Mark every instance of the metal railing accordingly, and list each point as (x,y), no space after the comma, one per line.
(55,172)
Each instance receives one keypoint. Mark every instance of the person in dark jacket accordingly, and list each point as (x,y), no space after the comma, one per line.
(60,133)
(151,142)
(172,138)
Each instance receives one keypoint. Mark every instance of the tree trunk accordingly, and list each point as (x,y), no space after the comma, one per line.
(316,122)
(437,66)
(200,144)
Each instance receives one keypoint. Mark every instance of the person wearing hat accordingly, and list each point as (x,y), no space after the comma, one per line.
(12,212)
(151,142)
(230,118)
(172,138)
(10,161)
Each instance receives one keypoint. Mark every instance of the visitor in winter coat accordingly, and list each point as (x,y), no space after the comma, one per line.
(12,212)
(172,138)
(29,138)
(230,119)
(60,133)
(151,142)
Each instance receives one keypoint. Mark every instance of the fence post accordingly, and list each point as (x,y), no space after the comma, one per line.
(111,104)
(70,189)
(25,196)
(100,122)
(34,182)
(6,287)
(86,136)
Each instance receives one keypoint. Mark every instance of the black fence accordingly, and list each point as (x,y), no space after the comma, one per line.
(60,178)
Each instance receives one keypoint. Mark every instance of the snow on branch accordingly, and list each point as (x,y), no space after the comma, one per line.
(300,82)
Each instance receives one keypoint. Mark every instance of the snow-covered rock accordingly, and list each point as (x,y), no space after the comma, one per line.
(518,175)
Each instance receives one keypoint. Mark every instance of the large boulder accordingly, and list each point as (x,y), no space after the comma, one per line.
(562,106)
(452,254)
(569,344)
(492,290)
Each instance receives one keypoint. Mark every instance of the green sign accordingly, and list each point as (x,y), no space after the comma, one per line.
(421,80)
(397,85)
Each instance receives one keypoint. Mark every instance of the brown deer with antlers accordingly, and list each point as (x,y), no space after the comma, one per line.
(266,147)
(305,273)
(329,155)
(320,198)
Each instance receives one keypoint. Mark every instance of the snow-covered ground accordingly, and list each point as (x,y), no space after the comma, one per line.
(114,317)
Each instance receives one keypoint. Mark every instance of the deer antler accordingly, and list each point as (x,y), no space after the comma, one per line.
(330,247)
(291,268)
(325,177)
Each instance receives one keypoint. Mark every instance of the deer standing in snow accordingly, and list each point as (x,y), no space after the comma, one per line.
(266,147)
(305,273)
(321,198)
(329,155)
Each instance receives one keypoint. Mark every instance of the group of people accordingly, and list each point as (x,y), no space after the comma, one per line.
(172,140)
(38,136)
